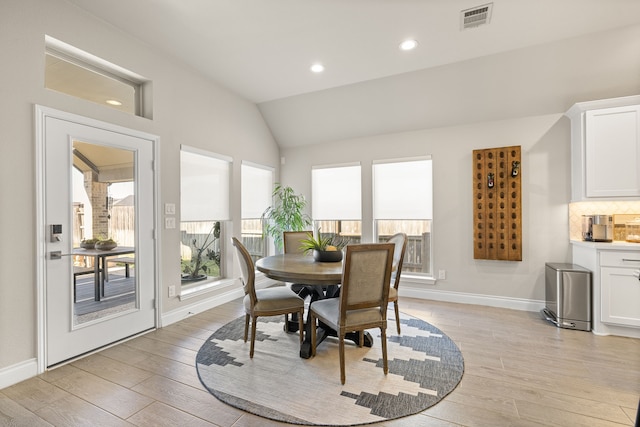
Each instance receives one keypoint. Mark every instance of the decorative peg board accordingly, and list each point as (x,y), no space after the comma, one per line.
(497,204)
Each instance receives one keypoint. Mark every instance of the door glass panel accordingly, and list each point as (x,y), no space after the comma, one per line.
(104,281)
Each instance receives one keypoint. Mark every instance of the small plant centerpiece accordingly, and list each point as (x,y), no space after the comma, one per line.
(325,249)
(88,243)
(105,244)
(286,214)
(203,258)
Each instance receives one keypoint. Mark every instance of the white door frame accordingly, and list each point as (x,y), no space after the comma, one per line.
(41,113)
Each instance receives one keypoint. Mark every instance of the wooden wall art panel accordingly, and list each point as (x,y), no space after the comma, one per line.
(497,204)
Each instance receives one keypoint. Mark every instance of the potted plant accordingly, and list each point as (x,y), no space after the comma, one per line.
(325,249)
(201,255)
(286,214)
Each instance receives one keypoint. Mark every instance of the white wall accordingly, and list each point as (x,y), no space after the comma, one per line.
(545,188)
(511,98)
(187,109)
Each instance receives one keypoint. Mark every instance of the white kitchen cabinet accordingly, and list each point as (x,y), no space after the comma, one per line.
(605,149)
(620,289)
(616,292)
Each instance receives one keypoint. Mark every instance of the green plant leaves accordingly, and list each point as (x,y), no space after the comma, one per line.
(286,214)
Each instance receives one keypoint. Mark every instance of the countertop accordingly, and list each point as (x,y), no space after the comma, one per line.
(615,245)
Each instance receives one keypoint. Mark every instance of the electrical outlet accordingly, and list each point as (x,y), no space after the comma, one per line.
(442,274)
(172,291)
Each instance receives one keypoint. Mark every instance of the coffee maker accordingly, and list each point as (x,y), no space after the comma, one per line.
(597,228)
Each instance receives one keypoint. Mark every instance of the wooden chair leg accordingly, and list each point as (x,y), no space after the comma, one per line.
(343,376)
(397,310)
(301,325)
(254,320)
(312,326)
(246,326)
(383,338)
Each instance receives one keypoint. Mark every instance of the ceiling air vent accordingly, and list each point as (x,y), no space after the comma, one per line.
(476,16)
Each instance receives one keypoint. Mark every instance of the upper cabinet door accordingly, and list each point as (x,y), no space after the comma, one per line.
(612,152)
(605,149)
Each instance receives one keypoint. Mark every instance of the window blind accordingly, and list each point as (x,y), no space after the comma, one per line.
(336,193)
(204,186)
(257,187)
(403,190)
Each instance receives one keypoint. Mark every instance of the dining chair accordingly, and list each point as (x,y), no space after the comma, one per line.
(292,241)
(363,299)
(400,242)
(293,245)
(271,301)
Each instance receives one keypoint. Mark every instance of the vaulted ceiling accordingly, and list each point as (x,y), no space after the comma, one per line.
(263,49)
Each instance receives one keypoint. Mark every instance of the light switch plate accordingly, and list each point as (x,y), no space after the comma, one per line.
(170,222)
(169,208)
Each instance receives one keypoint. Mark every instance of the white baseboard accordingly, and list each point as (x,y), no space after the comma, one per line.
(234,291)
(465,298)
(19,372)
(199,306)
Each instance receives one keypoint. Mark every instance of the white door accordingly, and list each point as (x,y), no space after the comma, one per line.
(98,182)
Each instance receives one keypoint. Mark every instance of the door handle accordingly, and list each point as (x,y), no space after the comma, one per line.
(58,255)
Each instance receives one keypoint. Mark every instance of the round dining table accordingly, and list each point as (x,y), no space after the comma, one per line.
(323,277)
(298,268)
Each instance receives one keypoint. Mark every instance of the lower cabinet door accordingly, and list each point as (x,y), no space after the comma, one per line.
(620,294)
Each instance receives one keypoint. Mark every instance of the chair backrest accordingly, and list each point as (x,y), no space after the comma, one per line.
(292,241)
(365,278)
(400,242)
(247,269)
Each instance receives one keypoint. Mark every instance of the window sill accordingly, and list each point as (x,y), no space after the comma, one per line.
(200,288)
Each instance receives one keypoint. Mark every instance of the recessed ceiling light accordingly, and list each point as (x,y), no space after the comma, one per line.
(113,102)
(408,45)
(317,68)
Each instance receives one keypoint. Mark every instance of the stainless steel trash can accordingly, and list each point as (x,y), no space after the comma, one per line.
(567,296)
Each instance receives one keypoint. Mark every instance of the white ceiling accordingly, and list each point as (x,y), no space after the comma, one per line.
(262,49)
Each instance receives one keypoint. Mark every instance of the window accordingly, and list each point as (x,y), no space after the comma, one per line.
(336,202)
(256,188)
(82,75)
(204,206)
(403,202)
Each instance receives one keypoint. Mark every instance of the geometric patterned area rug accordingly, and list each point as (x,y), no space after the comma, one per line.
(424,366)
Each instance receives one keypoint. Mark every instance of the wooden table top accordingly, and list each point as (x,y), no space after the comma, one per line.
(296,268)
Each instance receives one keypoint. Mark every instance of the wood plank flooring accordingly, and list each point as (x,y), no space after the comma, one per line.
(519,371)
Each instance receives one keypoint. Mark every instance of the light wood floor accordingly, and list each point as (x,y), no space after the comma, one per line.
(519,371)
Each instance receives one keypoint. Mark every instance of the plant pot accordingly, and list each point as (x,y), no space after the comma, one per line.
(327,256)
(86,245)
(188,278)
(105,246)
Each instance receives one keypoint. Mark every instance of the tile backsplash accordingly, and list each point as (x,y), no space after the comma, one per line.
(622,212)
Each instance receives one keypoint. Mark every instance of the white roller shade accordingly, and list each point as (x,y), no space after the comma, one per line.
(204,186)
(336,193)
(257,187)
(403,190)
